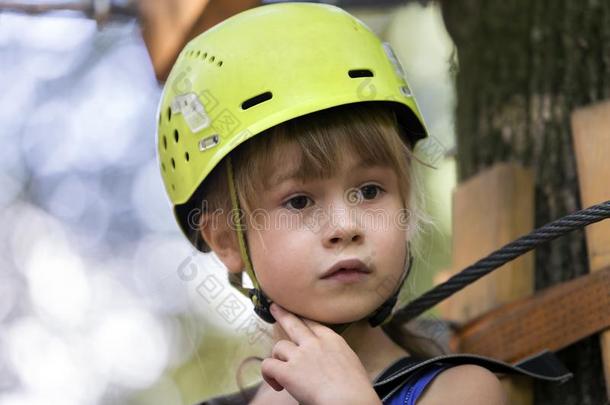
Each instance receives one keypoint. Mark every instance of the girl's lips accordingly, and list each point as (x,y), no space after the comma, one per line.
(344,268)
(347,276)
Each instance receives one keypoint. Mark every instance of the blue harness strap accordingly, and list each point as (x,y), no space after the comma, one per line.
(413,389)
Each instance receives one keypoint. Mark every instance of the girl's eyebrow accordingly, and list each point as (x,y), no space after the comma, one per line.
(294,173)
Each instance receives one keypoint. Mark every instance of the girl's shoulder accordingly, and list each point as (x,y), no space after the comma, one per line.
(464,384)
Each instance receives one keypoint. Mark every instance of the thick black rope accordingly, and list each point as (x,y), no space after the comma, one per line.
(501,256)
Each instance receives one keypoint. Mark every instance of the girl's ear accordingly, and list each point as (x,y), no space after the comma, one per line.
(222,239)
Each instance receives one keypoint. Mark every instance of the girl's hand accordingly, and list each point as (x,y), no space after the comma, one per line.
(316,366)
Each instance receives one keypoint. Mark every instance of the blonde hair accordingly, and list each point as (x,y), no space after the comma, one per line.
(371,132)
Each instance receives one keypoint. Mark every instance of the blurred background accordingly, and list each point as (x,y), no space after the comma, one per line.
(102,301)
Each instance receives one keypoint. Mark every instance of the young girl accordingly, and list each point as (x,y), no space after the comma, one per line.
(285,139)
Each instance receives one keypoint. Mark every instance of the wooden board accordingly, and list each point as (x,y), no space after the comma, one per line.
(490,210)
(591,136)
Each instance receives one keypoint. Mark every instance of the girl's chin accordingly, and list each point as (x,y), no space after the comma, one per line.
(340,316)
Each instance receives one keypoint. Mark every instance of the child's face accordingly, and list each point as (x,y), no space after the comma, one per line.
(303,229)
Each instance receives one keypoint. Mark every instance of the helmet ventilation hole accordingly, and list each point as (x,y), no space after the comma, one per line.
(360,73)
(176,135)
(256,100)
(164,142)
(173,163)
(173,187)
(169,113)
(203,55)
(163,166)
(186,156)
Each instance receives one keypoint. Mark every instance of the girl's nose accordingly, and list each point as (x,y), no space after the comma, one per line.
(343,229)
(343,237)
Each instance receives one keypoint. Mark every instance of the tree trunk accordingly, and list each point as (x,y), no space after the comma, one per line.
(523,67)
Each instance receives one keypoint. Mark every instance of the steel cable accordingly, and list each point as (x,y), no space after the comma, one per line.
(501,256)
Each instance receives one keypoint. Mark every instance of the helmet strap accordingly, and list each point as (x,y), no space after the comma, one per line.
(384,312)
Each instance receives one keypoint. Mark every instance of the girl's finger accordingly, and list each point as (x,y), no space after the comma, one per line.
(317,328)
(282,350)
(294,327)
(270,369)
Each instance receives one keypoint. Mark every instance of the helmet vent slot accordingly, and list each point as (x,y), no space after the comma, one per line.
(360,73)
(199,54)
(261,98)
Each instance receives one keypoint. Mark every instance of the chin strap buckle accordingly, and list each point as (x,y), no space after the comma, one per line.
(261,304)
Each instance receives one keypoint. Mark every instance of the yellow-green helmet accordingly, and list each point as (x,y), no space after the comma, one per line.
(258,69)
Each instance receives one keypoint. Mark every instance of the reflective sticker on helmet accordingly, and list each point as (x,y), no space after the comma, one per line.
(193,111)
(209,142)
(405,90)
(395,61)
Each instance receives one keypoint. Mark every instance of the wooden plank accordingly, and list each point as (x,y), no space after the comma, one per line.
(591,136)
(490,210)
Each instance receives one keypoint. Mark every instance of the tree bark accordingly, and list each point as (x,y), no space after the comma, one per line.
(523,67)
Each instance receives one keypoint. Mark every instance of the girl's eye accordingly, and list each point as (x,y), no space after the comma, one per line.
(370,191)
(297,203)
